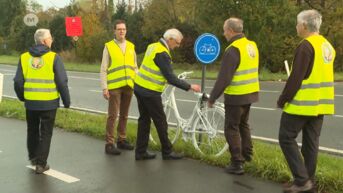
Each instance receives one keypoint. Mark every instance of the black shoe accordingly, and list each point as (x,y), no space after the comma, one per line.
(40,169)
(172,156)
(294,188)
(125,145)
(111,150)
(236,169)
(145,156)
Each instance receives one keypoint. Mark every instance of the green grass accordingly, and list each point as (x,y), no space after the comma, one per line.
(268,162)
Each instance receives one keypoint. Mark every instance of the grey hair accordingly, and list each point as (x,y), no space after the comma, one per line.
(41,35)
(172,33)
(312,19)
(235,24)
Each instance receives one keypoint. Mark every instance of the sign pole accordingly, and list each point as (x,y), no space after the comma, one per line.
(203,78)
(206,50)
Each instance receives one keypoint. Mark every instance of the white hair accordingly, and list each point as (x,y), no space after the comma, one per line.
(41,35)
(312,19)
(172,34)
(235,24)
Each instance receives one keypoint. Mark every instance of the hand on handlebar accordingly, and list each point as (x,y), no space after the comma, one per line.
(195,87)
(210,104)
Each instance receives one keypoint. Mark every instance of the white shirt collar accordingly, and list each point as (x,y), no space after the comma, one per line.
(164,42)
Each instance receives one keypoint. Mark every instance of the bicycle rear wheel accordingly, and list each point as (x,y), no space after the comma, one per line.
(208,132)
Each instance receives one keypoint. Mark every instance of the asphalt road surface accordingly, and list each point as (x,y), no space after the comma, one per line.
(78,164)
(264,117)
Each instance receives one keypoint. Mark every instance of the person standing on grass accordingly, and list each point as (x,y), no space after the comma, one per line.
(154,73)
(238,79)
(117,74)
(307,96)
(39,82)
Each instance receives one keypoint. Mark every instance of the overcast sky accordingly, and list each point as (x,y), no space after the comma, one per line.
(53,3)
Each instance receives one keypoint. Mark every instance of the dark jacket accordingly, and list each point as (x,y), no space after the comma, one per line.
(301,70)
(61,81)
(163,61)
(229,65)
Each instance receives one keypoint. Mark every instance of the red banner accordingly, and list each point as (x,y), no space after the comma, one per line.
(74,26)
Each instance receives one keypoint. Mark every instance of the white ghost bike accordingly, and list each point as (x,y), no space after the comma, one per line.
(204,128)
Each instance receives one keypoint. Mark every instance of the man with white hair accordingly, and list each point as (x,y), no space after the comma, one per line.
(39,82)
(308,96)
(238,80)
(154,73)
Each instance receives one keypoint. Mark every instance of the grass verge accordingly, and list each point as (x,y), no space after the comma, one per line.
(268,162)
(211,72)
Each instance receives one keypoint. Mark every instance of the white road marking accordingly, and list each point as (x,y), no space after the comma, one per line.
(7,70)
(0,151)
(11,97)
(339,95)
(85,78)
(263,108)
(95,91)
(341,116)
(271,91)
(8,74)
(185,100)
(325,149)
(59,175)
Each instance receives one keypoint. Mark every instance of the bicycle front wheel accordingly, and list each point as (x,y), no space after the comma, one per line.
(208,132)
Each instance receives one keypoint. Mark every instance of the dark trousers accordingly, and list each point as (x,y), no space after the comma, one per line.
(118,103)
(237,132)
(39,132)
(302,165)
(151,108)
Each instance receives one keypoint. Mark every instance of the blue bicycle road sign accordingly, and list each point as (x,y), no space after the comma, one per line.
(207,48)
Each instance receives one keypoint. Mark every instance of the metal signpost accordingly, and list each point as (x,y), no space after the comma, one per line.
(206,50)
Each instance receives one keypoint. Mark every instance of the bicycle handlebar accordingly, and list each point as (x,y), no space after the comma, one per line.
(184,75)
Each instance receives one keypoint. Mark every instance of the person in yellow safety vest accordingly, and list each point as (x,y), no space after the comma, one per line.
(39,82)
(117,73)
(307,96)
(154,73)
(238,79)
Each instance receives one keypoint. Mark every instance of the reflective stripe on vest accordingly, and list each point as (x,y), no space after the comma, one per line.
(316,95)
(121,71)
(245,79)
(39,77)
(150,76)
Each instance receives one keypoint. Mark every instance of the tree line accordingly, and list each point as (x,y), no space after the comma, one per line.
(270,23)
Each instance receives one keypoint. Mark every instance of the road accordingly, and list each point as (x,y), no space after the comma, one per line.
(83,167)
(264,118)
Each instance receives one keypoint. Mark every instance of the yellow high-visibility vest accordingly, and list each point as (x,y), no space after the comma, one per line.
(149,75)
(316,95)
(39,77)
(121,71)
(245,79)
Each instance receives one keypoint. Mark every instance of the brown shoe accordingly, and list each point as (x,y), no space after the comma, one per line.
(110,149)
